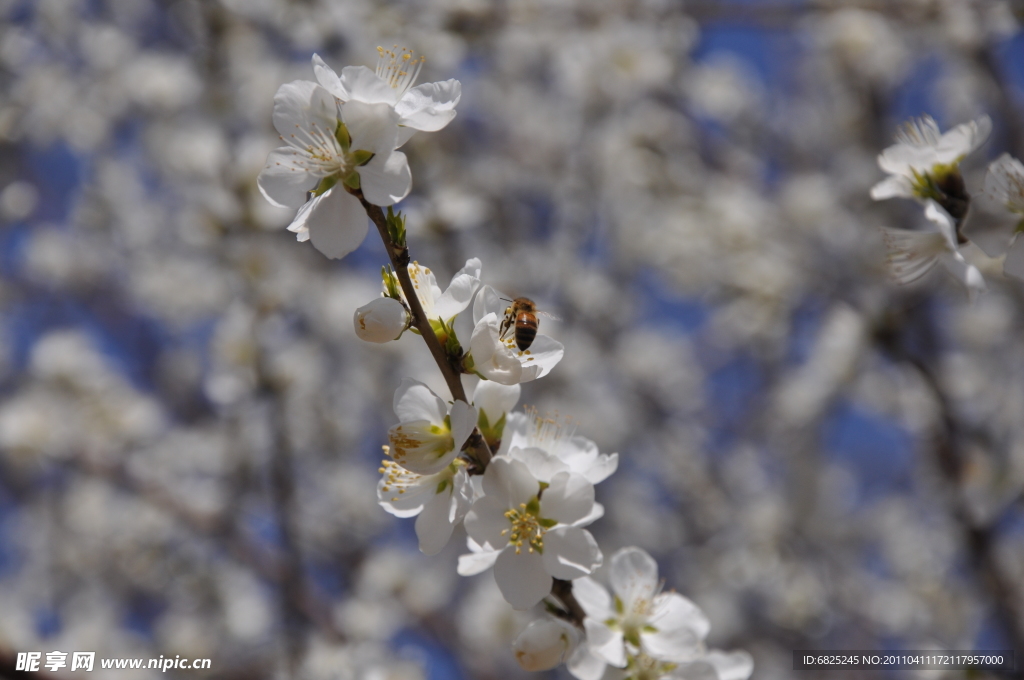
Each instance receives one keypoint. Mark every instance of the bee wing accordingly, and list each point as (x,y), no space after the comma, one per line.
(549,315)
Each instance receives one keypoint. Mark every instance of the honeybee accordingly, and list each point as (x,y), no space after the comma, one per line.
(522,316)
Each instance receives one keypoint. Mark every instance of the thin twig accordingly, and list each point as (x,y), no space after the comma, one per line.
(399,255)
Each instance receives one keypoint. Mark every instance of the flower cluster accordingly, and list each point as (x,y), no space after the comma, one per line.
(341,135)
(924,165)
(521,484)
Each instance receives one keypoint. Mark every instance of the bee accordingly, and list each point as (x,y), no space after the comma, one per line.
(522,315)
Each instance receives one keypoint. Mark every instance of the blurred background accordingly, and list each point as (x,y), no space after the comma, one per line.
(190,431)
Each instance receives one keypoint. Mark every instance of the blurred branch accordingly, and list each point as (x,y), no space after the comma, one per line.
(980,540)
(291,582)
(268,564)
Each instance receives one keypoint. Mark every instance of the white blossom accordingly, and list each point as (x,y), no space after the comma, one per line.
(499,359)
(493,402)
(545,644)
(665,626)
(923,160)
(443,306)
(381,320)
(912,254)
(324,154)
(439,501)
(552,439)
(428,107)
(997,216)
(716,665)
(429,437)
(528,534)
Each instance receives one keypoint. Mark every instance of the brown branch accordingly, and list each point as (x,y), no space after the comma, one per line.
(400,259)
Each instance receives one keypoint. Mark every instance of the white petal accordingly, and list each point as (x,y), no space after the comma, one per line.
(730,665)
(1013,265)
(488,301)
(545,644)
(337,223)
(415,401)
(432,526)
(596,513)
(473,563)
(633,574)
(495,399)
(373,127)
(463,422)
(544,355)
(989,225)
(304,108)
(403,506)
(300,224)
(462,497)
(912,254)
(570,552)
(966,273)
(386,179)
(328,79)
(963,139)
(430,106)
(486,520)
(509,482)
(606,644)
(681,629)
(490,356)
(284,180)
(584,665)
(569,498)
(542,465)
(602,468)
(421,446)
(522,578)
(364,85)
(892,187)
(938,216)
(404,135)
(593,597)
(460,292)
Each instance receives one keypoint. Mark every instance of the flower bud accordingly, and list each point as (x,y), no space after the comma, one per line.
(382,320)
(544,644)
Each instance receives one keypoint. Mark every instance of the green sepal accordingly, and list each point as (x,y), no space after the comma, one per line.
(441,486)
(632,637)
(360,157)
(325,184)
(352,181)
(547,523)
(1019,229)
(619,607)
(649,629)
(448,422)
(533,506)
(482,423)
(343,137)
